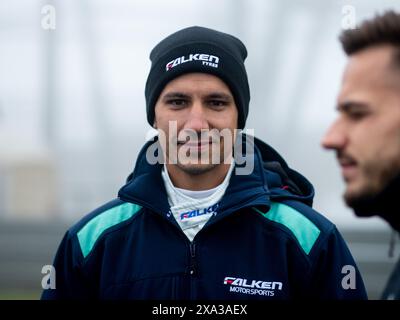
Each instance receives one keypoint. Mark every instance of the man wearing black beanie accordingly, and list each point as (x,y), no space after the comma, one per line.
(202,50)
(208,212)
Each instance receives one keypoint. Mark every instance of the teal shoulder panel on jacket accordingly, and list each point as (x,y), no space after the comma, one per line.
(305,231)
(92,230)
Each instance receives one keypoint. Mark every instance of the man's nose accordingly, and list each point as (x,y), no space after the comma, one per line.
(335,137)
(197,117)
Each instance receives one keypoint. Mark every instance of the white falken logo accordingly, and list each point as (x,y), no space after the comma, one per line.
(258,287)
(206,60)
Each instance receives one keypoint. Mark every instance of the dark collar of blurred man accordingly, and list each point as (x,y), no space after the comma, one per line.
(366,135)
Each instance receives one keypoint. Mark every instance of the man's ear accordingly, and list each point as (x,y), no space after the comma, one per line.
(155,124)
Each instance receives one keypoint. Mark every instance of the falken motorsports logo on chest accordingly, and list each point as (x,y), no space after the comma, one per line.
(199,212)
(258,287)
(206,60)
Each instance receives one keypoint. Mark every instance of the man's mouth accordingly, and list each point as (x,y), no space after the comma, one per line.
(344,162)
(199,142)
(348,165)
(198,145)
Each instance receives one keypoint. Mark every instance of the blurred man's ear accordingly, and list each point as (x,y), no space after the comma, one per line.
(155,124)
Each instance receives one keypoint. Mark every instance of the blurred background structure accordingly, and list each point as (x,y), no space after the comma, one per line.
(72,110)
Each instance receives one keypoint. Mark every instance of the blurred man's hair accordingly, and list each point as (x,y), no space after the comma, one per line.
(380,30)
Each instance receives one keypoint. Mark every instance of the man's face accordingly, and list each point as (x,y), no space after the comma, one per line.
(366,134)
(203,109)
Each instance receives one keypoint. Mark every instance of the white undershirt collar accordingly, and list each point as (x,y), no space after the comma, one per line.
(192,209)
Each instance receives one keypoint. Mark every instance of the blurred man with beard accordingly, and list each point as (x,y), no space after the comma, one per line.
(208,212)
(366,134)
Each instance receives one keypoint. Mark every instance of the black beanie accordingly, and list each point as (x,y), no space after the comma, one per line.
(198,49)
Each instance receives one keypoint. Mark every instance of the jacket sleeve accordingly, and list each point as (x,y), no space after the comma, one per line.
(335,274)
(70,281)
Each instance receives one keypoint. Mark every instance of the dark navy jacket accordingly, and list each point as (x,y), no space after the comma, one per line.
(265,242)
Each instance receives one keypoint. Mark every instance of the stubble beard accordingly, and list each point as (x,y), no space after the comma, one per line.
(374,183)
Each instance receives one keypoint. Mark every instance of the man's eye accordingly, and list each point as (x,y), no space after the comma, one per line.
(357,115)
(217,103)
(177,102)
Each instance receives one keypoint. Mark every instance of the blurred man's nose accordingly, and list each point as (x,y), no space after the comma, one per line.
(334,138)
(197,118)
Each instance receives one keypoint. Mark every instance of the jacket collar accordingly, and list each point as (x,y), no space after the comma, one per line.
(145,186)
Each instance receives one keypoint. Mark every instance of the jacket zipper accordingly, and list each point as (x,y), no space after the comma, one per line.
(192,244)
(192,268)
